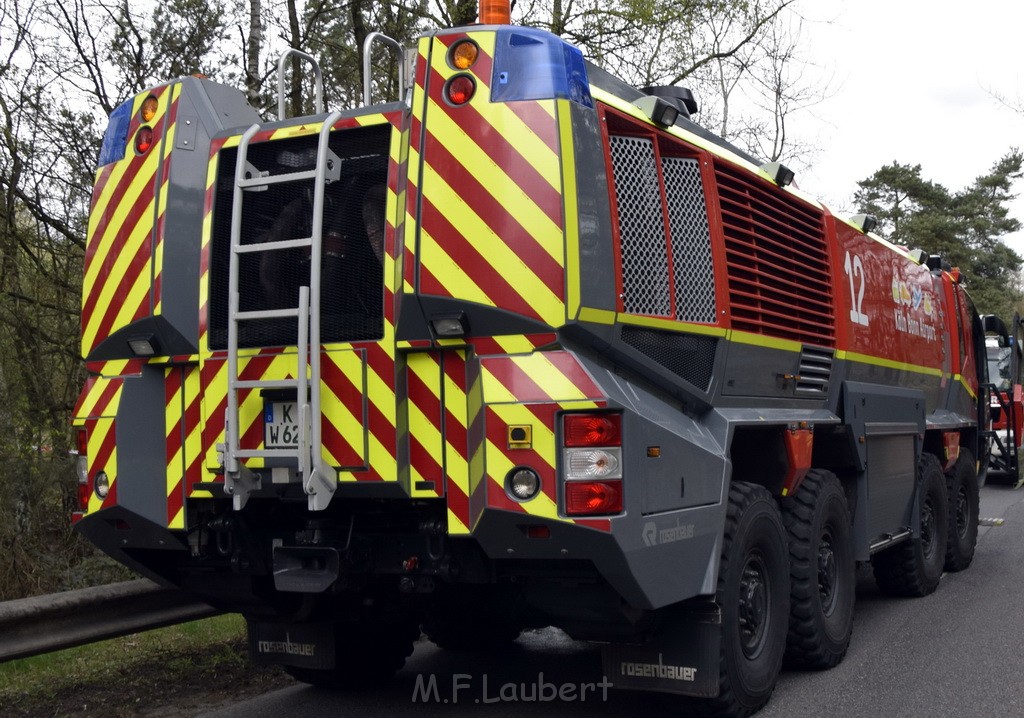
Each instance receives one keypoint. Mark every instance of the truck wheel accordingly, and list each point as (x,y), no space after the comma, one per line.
(753,593)
(364,656)
(962,489)
(914,567)
(822,572)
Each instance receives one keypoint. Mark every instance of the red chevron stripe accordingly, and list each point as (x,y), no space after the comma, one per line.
(486,277)
(425,463)
(175,501)
(535,117)
(351,397)
(502,152)
(113,249)
(525,388)
(458,502)
(497,217)
(111,499)
(106,448)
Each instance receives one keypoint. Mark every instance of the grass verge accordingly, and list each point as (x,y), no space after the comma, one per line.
(175,671)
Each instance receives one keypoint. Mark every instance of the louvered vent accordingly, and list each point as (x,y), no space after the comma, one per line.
(815,371)
(777,260)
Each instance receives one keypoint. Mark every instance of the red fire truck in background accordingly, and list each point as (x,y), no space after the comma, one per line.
(526,346)
(1006,402)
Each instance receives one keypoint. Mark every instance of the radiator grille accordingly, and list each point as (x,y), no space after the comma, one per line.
(691,240)
(645,284)
(689,357)
(777,260)
(352,276)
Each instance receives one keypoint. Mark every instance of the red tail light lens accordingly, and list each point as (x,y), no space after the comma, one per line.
(593,498)
(592,430)
(82,442)
(143,140)
(460,89)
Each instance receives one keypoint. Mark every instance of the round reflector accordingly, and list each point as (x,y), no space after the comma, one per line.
(522,484)
(143,140)
(101,484)
(463,54)
(148,108)
(460,89)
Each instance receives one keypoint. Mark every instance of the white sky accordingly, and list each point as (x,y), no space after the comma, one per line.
(911,83)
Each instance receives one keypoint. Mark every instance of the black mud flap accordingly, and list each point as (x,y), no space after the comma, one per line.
(682,658)
(305,645)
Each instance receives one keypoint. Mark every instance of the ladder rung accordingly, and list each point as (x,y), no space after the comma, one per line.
(265,384)
(267,453)
(268,314)
(277,179)
(271,246)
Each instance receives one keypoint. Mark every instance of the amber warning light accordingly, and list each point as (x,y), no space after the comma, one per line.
(495,12)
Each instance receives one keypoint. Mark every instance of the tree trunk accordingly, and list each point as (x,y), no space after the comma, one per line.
(252,58)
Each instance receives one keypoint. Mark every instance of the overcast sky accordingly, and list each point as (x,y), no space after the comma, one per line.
(911,83)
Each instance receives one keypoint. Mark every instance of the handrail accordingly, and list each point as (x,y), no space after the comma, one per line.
(317,77)
(399,52)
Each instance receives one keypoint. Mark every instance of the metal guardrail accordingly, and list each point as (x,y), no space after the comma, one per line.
(30,626)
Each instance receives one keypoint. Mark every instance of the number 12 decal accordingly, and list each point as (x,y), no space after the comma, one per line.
(855,271)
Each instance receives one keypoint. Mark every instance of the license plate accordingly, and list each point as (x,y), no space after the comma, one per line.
(280,424)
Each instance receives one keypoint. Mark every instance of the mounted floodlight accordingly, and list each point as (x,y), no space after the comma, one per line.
(681,97)
(658,111)
(143,345)
(918,255)
(781,175)
(934,262)
(450,325)
(864,222)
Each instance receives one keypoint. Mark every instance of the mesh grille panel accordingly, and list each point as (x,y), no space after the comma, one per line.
(641,227)
(691,241)
(779,281)
(352,275)
(688,356)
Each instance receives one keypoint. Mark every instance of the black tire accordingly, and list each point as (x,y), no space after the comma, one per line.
(962,490)
(822,571)
(471,631)
(753,593)
(914,567)
(364,656)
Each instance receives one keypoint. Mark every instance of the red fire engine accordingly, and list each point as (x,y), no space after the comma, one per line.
(525,346)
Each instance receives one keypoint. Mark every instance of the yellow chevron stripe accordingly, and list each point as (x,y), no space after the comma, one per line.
(455,525)
(348,424)
(427,369)
(97,437)
(540,369)
(515,344)
(90,406)
(495,252)
(499,185)
(173,417)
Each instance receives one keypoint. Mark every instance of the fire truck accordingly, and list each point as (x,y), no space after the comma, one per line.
(1006,402)
(525,346)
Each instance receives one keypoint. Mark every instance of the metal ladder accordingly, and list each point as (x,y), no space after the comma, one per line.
(319,480)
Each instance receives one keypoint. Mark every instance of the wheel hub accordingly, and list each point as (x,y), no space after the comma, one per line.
(928,528)
(827,574)
(962,512)
(753,606)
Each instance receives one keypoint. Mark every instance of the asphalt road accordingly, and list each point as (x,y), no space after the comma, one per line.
(954,653)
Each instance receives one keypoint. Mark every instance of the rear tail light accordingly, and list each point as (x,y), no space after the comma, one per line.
(82,468)
(592,498)
(592,463)
(143,140)
(460,89)
(593,430)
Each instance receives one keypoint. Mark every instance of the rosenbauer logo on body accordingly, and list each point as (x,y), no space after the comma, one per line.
(638,669)
(287,647)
